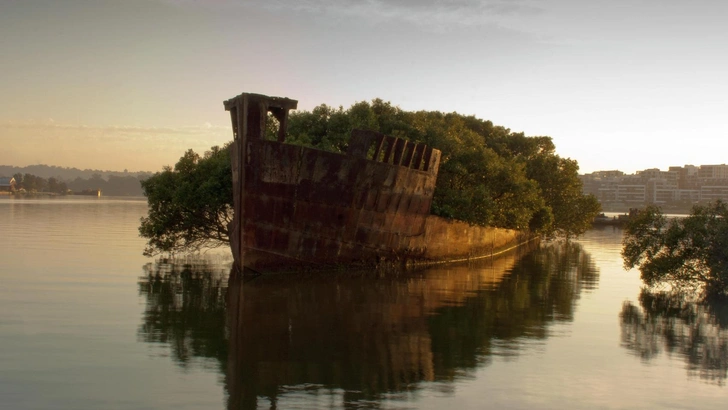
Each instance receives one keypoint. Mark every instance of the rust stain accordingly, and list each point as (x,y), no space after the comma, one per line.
(299,207)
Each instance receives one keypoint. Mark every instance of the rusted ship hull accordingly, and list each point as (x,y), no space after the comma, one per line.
(298,207)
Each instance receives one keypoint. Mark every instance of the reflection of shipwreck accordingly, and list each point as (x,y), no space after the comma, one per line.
(354,337)
(363,336)
(301,207)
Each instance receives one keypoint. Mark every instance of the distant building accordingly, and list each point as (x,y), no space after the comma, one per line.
(713,172)
(713,193)
(7,184)
(632,194)
(678,186)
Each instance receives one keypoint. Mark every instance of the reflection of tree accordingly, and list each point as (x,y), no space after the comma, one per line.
(671,321)
(359,337)
(185,307)
(541,288)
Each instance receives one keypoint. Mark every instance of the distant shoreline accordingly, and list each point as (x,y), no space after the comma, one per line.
(73,197)
(665,209)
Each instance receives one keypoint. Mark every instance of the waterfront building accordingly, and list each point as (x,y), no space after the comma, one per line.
(7,184)
(678,186)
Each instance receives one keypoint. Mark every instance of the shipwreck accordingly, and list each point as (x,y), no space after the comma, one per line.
(298,207)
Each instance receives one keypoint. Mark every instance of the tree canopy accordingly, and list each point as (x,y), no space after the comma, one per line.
(489,175)
(683,252)
(110,185)
(190,206)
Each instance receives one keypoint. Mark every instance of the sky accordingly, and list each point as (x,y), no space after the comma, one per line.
(132,84)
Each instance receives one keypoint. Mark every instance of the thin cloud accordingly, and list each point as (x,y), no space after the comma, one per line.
(456,12)
(429,13)
(204,129)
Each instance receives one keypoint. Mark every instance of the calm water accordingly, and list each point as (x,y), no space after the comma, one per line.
(87,322)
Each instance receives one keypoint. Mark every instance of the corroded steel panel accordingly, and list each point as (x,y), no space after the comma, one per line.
(297,206)
(328,208)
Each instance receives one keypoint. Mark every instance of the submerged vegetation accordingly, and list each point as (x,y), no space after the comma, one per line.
(489,176)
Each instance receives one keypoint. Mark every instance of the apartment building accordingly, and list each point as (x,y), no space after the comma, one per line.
(678,185)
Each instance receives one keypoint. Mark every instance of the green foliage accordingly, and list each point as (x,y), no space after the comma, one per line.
(190,206)
(561,190)
(683,252)
(34,183)
(488,174)
(56,186)
(323,127)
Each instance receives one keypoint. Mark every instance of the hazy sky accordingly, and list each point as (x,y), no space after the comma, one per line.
(116,84)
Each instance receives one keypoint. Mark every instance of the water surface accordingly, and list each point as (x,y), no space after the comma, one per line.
(87,322)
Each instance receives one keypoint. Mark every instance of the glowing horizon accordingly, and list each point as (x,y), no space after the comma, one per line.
(134,84)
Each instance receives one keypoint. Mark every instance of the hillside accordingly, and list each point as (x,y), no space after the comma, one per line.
(65,173)
(44,178)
